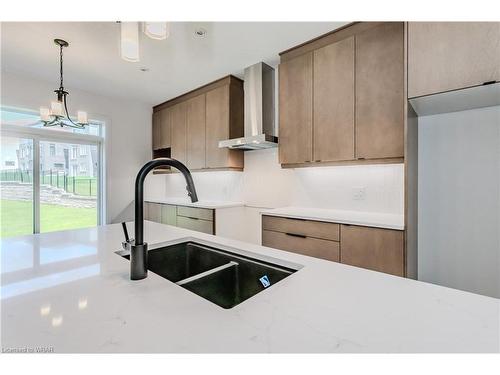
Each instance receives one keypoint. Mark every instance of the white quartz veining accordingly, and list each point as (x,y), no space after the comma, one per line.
(69,291)
(201,204)
(368,219)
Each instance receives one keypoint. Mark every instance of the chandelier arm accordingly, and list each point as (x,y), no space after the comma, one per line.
(74,124)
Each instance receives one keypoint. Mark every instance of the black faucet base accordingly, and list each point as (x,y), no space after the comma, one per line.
(139,261)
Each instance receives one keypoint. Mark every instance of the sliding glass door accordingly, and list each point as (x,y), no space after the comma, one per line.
(69,185)
(16,184)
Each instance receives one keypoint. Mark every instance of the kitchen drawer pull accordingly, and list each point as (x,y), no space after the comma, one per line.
(296,235)
(190,217)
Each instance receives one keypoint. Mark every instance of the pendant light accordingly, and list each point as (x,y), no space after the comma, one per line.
(129,41)
(58,112)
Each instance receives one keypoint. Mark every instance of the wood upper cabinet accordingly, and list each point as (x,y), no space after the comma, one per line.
(445,56)
(165,121)
(179,132)
(342,96)
(192,125)
(380,92)
(195,120)
(224,120)
(295,108)
(334,101)
(161,129)
(156,130)
(373,248)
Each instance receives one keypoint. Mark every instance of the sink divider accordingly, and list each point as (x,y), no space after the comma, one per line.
(206,273)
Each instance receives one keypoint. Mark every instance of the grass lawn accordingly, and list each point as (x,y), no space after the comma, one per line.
(16,217)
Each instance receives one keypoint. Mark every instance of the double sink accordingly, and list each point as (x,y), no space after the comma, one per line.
(222,277)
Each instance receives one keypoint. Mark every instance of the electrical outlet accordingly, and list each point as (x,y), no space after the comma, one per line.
(359,193)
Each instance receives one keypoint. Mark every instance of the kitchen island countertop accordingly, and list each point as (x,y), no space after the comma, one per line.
(69,291)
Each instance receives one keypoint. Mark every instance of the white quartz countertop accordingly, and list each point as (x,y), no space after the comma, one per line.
(201,204)
(367,219)
(69,291)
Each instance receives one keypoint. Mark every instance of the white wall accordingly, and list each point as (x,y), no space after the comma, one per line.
(459,200)
(128,132)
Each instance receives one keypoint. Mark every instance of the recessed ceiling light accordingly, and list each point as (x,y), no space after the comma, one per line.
(144,69)
(200,32)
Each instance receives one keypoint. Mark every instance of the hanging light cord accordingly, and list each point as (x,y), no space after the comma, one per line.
(61,65)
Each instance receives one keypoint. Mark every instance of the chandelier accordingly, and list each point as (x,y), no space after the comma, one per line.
(58,112)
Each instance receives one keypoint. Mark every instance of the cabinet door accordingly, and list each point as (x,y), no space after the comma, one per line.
(169,214)
(373,248)
(178,132)
(154,212)
(333,126)
(156,130)
(380,92)
(218,127)
(445,56)
(295,106)
(196,132)
(165,121)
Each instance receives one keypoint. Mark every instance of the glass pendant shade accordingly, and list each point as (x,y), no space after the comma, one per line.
(156,30)
(129,43)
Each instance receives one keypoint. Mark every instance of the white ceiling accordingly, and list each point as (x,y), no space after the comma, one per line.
(176,65)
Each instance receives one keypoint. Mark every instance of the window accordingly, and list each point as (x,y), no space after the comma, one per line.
(10,163)
(74,152)
(83,150)
(59,165)
(52,149)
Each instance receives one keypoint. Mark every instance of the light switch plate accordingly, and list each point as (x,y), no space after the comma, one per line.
(359,193)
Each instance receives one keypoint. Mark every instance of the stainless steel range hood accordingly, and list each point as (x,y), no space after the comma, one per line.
(259,111)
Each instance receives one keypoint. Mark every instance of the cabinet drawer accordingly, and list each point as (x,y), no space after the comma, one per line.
(198,225)
(314,247)
(309,228)
(196,213)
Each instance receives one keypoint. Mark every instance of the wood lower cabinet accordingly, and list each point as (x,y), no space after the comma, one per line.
(195,122)
(179,132)
(444,56)
(295,106)
(334,101)
(367,247)
(373,248)
(153,212)
(188,128)
(380,92)
(168,214)
(193,218)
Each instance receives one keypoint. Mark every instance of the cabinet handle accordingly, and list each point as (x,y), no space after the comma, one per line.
(190,217)
(489,83)
(296,235)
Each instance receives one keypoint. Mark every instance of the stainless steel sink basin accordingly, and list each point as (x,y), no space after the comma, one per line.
(220,276)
